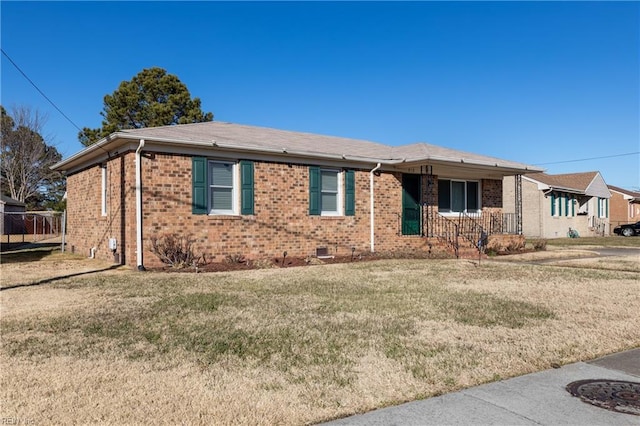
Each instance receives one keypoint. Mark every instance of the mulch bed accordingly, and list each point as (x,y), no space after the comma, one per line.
(288,262)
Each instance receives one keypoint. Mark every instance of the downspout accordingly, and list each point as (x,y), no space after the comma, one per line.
(372,237)
(139,206)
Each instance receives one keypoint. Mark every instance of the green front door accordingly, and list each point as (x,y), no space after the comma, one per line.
(411,223)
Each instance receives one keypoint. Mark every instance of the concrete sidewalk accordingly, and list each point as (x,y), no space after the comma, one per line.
(535,399)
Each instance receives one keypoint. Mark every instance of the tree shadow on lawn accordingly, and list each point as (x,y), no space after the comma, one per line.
(62,277)
(26,252)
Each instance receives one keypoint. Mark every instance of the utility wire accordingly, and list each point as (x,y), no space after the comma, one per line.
(77,127)
(587,159)
(40,91)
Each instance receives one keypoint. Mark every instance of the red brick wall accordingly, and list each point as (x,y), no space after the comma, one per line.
(621,211)
(281,221)
(491,194)
(86,227)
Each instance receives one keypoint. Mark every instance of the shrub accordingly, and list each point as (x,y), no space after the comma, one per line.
(235,258)
(540,244)
(506,244)
(176,251)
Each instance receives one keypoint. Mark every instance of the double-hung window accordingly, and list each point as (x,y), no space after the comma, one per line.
(330,204)
(457,196)
(222,187)
(222,196)
(331,192)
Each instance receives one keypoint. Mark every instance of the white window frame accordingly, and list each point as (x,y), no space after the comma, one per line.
(602,208)
(451,212)
(103,190)
(339,194)
(556,199)
(235,188)
(571,205)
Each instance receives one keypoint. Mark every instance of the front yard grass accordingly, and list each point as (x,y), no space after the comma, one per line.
(298,345)
(611,241)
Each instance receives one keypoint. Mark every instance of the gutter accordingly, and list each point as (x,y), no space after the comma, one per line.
(139,247)
(371,174)
(114,137)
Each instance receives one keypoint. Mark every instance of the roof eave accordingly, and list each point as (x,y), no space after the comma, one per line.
(115,140)
(497,165)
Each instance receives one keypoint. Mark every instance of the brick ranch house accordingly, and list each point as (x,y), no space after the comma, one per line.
(625,206)
(237,189)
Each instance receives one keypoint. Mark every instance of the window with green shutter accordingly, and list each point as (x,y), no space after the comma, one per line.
(326,193)
(215,189)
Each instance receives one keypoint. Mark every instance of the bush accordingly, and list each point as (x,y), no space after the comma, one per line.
(176,251)
(540,245)
(506,244)
(235,258)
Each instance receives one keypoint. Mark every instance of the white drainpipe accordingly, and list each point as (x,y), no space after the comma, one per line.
(139,206)
(372,238)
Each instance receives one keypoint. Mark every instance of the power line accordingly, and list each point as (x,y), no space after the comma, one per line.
(40,91)
(587,159)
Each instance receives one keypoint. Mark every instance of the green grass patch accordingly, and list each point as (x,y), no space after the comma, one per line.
(487,310)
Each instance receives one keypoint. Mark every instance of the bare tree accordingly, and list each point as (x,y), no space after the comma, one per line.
(25,156)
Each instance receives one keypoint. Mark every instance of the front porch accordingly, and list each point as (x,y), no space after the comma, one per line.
(460,212)
(462,232)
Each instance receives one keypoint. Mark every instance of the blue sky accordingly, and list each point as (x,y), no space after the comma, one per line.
(539,82)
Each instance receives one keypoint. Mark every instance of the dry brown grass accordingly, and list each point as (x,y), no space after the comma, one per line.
(292,346)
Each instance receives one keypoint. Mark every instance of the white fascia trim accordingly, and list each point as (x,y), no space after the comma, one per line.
(518,169)
(282,153)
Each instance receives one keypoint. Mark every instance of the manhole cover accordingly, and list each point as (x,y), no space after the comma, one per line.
(616,395)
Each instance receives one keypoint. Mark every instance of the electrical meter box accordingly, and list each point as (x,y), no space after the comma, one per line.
(113,245)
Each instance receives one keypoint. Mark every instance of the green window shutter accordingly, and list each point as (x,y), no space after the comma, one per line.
(573,206)
(246,187)
(566,205)
(199,185)
(599,202)
(349,193)
(314,191)
(553,205)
